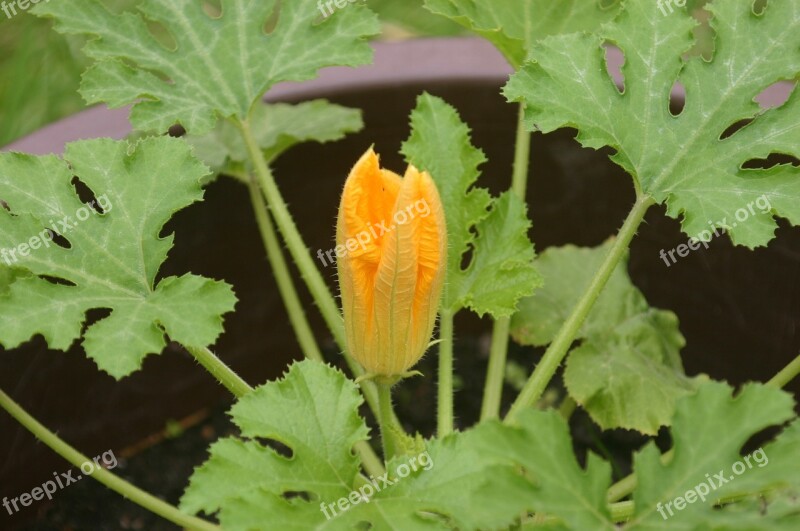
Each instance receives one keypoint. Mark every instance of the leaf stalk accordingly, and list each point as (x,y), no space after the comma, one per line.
(495,374)
(110,480)
(558,349)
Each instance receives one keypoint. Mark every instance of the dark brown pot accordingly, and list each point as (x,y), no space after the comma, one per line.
(739,310)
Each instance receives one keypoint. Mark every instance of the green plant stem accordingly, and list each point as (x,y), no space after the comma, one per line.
(626,485)
(493,389)
(224,374)
(495,373)
(110,480)
(621,511)
(567,407)
(787,374)
(386,420)
(282,277)
(299,252)
(522,153)
(445,398)
(558,349)
(292,238)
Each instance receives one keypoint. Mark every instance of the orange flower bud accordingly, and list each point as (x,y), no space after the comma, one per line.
(392,253)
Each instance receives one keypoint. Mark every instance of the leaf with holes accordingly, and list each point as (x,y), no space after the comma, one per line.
(514,25)
(683,161)
(202,67)
(627,373)
(314,412)
(708,431)
(113,252)
(500,270)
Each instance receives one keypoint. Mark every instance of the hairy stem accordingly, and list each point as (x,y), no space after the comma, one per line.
(493,390)
(495,373)
(282,277)
(787,374)
(445,398)
(224,374)
(299,252)
(390,430)
(621,511)
(110,480)
(558,349)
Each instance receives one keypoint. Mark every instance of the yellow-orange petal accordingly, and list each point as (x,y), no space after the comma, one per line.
(390,285)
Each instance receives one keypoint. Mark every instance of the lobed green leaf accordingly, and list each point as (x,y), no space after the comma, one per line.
(110,253)
(501,270)
(205,67)
(690,162)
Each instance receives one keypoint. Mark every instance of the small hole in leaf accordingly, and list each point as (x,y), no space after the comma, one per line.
(291,494)
(162,35)
(280,448)
(730,131)
(615,60)
(466,258)
(212,8)
(677,100)
(58,239)
(86,195)
(776,94)
(274,17)
(774,159)
(703,33)
(176,131)
(57,281)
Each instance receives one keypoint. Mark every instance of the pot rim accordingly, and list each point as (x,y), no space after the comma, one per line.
(425,61)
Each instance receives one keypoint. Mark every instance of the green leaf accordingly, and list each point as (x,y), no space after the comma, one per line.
(680,160)
(314,412)
(412,17)
(709,429)
(627,373)
(542,445)
(500,270)
(113,257)
(210,67)
(276,127)
(777,511)
(513,26)
(761,475)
